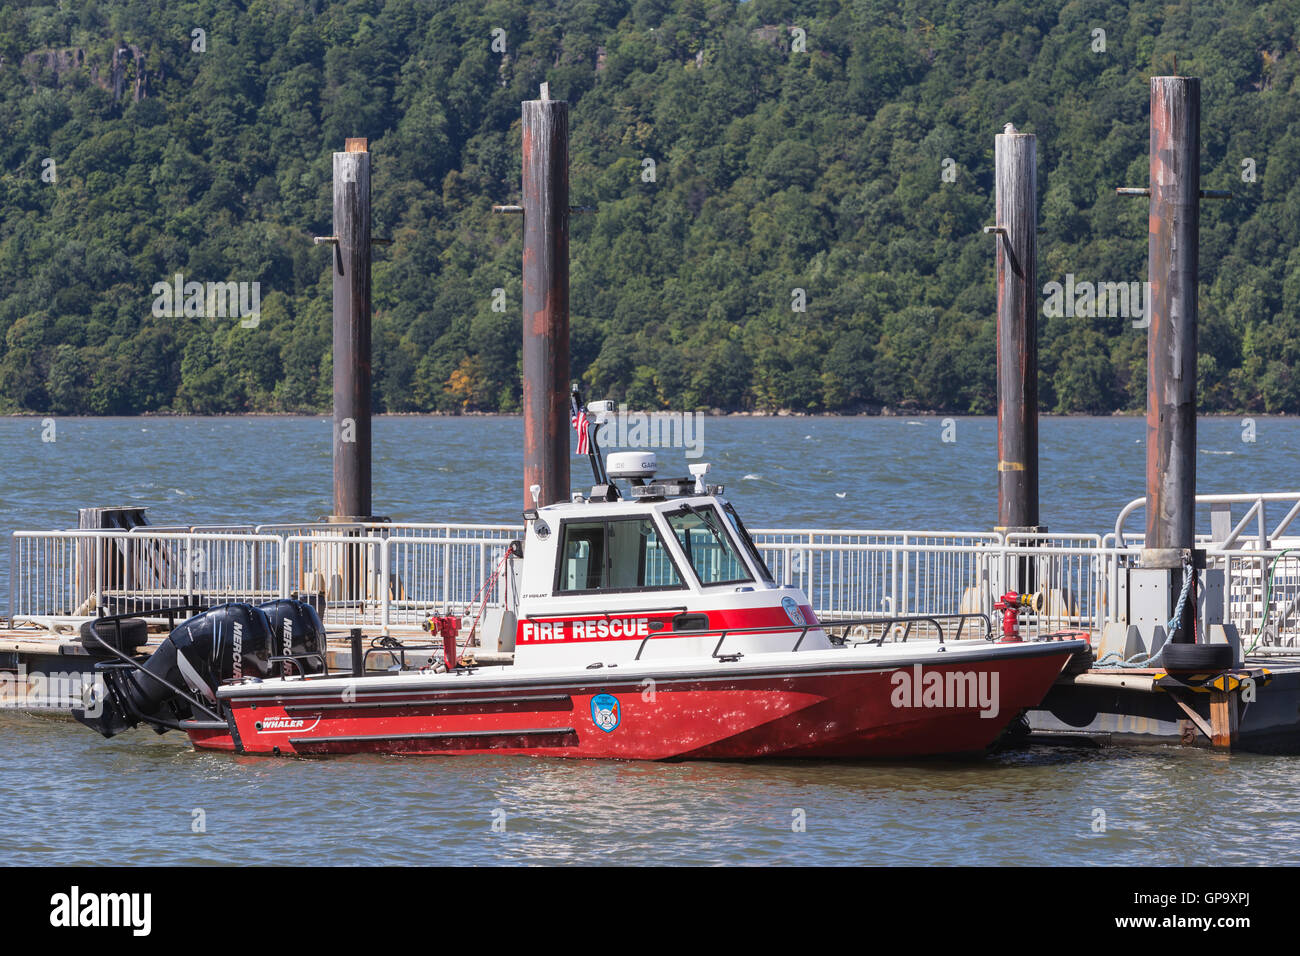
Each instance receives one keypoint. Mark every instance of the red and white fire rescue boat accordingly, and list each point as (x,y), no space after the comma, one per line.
(644,624)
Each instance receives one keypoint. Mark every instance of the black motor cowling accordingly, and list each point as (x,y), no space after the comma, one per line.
(297,632)
(228,642)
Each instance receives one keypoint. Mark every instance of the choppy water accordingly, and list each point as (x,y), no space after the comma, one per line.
(71,797)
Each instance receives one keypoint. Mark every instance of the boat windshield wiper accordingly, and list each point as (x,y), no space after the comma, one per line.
(708,516)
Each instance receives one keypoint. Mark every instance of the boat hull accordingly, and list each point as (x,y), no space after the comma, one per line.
(853,709)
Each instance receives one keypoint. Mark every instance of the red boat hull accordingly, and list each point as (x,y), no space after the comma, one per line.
(839,712)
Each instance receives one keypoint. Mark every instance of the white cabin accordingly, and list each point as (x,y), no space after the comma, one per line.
(666,573)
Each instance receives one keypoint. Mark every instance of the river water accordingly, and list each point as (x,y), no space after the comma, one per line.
(71,797)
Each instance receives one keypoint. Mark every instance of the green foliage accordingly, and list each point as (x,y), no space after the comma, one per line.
(775,170)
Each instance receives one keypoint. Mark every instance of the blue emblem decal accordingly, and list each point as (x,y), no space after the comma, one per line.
(606,712)
(792,610)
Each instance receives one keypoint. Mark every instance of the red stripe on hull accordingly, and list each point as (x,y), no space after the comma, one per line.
(640,624)
(820,715)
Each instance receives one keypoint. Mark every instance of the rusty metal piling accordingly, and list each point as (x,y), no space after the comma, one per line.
(1015,165)
(1173,243)
(351,242)
(1173,237)
(546,299)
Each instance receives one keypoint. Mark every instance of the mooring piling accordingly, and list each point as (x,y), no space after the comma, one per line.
(1016,229)
(546,299)
(1173,245)
(1174,239)
(351,242)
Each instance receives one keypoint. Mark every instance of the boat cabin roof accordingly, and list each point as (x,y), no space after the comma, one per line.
(643,544)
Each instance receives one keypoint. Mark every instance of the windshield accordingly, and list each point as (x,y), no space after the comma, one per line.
(742,535)
(708,548)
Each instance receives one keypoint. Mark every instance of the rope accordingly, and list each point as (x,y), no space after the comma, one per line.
(1137,660)
(1141,660)
(1177,619)
(486,591)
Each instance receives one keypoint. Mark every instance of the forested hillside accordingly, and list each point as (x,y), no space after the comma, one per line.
(795,146)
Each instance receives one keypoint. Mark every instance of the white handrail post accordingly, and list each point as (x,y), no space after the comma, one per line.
(810,589)
(385,563)
(446,574)
(284,568)
(893,581)
(830,576)
(99,574)
(13,571)
(904,603)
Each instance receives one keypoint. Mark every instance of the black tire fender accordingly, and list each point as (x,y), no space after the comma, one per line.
(1197,657)
(125,635)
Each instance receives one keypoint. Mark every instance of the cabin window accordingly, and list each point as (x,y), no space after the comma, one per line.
(582,567)
(618,554)
(706,545)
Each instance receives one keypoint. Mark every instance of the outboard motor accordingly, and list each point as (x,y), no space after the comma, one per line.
(229,642)
(297,632)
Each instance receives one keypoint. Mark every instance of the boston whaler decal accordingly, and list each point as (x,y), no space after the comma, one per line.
(283,725)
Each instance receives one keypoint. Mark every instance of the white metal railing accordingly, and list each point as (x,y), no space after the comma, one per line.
(426,573)
(763,536)
(363,579)
(1070,584)
(1261,594)
(1070,578)
(392,582)
(406,529)
(848,573)
(392,576)
(1229,535)
(858,579)
(80,573)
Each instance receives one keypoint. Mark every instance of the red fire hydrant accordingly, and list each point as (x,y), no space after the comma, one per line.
(1010,604)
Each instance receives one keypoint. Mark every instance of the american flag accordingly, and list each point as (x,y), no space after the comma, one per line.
(580,425)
